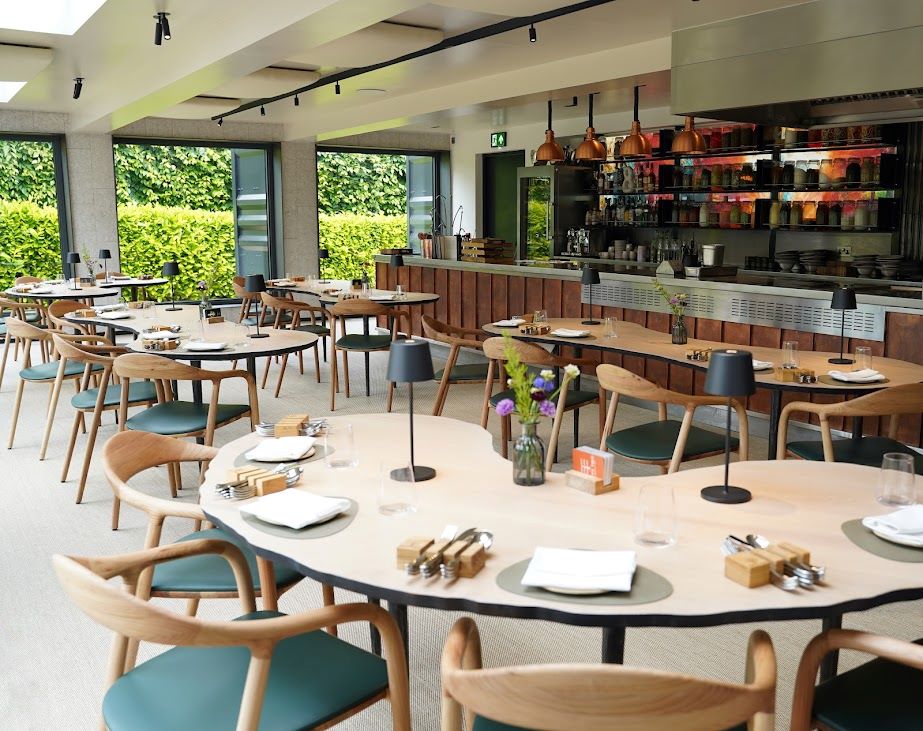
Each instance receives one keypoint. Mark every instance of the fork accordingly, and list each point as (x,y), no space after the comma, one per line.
(786,583)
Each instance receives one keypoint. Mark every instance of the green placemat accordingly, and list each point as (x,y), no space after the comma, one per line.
(320,451)
(830,381)
(319,530)
(647,587)
(868,541)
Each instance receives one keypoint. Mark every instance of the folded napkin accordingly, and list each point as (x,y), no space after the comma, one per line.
(566,568)
(382,297)
(512,322)
(204,345)
(160,335)
(119,278)
(761,365)
(866,375)
(563,332)
(38,290)
(115,315)
(906,521)
(282,283)
(295,508)
(283,449)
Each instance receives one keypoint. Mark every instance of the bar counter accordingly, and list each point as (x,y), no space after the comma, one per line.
(738,312)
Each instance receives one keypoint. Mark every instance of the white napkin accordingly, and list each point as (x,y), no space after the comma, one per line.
(283,449)
(866,375)
(906,521)
(382,297)
(40,290)
(160,335)
(116,315)
(563,332)
(761,365)
(109,308)
(204,345)
(574,569)
(119,278)
(295,508)
(283,283)
(513,322)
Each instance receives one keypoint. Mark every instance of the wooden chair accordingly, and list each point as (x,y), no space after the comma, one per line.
(360,342)
(292,311)
(666,442)
(102,275)
(456,338)
(8,309)
(307,678)
(600,697)
(891,402)
(106,397)
(249,301)
(58,309)
(532,355)
(881,694)
(27,279)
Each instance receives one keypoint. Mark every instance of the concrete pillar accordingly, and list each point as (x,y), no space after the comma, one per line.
(299,207)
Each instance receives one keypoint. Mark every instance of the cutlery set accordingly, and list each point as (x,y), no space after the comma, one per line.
(313,428)
(447,560)
(786,569)
(244,489)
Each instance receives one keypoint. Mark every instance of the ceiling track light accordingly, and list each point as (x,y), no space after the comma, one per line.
(161,28)
(533,36)
(78,86)
(220,121)
(262,111)
(296,100)
(336,88)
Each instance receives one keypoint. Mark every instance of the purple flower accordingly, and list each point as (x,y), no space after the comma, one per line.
(539,382)
(547,408)
(538,395)
(202,284)
(549,386)
(505,407)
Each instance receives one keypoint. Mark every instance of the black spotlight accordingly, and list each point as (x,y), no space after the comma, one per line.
(262,111)
(296,100)
(78,87)
(221,121)
(533,36)
(161,29)
(336,88)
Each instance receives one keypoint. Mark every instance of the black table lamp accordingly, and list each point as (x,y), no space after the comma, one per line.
(844,299)
(410,361)
(730,373)
(321,255)
(397,261)
(256,283)
(104,256)
(590,277)
(73,258)
(171,269)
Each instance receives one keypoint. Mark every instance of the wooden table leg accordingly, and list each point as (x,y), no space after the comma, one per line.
(828,665)
(268,584)
(613,650)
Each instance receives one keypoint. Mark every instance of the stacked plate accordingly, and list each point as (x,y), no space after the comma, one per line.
(865,264)
(810,260)
(266,429)
(786,260)
(889,264)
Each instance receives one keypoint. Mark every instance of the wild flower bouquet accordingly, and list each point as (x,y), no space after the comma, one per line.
(533,396)
(677,302)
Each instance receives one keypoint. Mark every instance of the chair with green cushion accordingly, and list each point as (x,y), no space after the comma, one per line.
(295,315)
(360,342)
(532,355)
(866,450)
(665,442)
(8,309)
(456,338)
(263,670)
(565,697)
(881,695)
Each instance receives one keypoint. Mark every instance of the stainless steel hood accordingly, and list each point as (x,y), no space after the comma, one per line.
(816,63)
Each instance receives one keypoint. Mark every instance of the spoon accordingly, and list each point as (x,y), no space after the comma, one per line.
(817,572)
(428,566)
(449,569)
(733,544)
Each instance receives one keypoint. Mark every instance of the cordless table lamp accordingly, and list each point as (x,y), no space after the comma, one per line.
(397,261)
(590,277)
(73,258)
(170,270)
(104,256)
(730,373)
(410,361)
(256,283)
(321,255)
(844,299)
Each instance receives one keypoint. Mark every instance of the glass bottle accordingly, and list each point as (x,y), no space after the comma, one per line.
(716,175)
(800,175)
(873,215)
(861,221)
(866,171)
(776,173)
(848,216)
(821,215)
(788,174)
(727,175)
(703,215)
(528,456)
(839,172)
(835,215)
(825,177)
(795,215)
(853,172)
(813,174)
(774,210)
(747,177)
(785,215)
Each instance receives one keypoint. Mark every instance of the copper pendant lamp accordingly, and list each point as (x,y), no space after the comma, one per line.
(635,144)
(689,141)
(590,148)
(549,151)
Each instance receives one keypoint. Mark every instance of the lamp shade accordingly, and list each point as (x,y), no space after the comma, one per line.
(689,141)
(844,298)
(589,275)
(730,373)
(104,254)
(635,144)
(170,269)
(73,257)
(549,150)
(410,361)
(255,283)
(397,260)
(323,254)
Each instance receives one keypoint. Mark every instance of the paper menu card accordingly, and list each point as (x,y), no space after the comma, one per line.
(594,462)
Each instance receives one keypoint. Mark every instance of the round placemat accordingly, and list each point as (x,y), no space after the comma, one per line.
(868,541)
(830,381)
(646,587)
(320,451)
(319,530)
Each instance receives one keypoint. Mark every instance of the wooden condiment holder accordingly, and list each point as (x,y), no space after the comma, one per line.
(589,483)
(751,568)
(297,279)
(795,375)
(699,354)
(86,312)
(214,320)
(159,343)
(471,560)
(291,426)
(531,328)
(260,479)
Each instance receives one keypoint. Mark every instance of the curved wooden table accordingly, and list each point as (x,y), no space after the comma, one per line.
(633,339)
(801,502)
(134,284)
(62,292)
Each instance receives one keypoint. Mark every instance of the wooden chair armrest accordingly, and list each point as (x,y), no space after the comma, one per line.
(585,365)
(464,332)
(81,338)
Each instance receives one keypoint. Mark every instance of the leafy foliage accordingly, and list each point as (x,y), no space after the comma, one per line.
(29,241)
(354,240)
(352,182)
(27,172)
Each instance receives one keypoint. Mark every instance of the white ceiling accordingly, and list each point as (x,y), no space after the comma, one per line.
(224,51)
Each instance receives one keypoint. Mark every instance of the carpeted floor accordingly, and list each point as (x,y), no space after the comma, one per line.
(55,658)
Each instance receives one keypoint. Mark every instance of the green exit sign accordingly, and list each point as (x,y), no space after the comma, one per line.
(498,139)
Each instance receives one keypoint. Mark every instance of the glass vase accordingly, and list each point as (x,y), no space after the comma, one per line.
(528,456)
(679,332)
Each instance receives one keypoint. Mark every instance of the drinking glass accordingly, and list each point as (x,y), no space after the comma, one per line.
(863,357)
(396,497)
(655,515)
(895,481)
(289,275)
(340,447)
(609,324)
(790,354)
(399,291)
(239,335)
(540,316)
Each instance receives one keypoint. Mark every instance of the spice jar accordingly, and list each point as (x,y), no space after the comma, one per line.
(825,177)
(774,209)
(735,176)
(800,175)
(834,216)
(717,171)
(725,138)
(747,176)
(727,174)
(867,170)
(788,174)
(795,216)
(853,172)
(821,215)
(785,215)
(848,219)
(808,213)
(703,215)
(724,214)
(813,174)
(839,173)
(746,136)
(776,173)
(735,137)
(734,216)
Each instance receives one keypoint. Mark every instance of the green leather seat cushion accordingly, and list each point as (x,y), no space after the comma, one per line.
(878,696)
(574,398)
(49,371)
(315,329)
(656,440)
(358,341)
(465,372)
(865,451)
(181,417)
(210,572)
(138,391)
(485,724)
(313,677)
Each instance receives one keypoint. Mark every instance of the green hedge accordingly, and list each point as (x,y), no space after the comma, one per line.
(29,241)
(353,241)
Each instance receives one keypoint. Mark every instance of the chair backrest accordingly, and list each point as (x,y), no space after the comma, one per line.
(57,309)
(22,329)
(102,275)
(157,368)
(358,306)
(906,399)
(566,697)
(238,285)
(529,353)
(274,302)
(12,308)
(83,353)
(27,280)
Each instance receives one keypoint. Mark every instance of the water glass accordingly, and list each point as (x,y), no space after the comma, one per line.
(340,447)
(895,481)
(399,291)
(790,354)
(609,324)
(863,357)
(396,490)
(540,316)
(239,335)
(655,515)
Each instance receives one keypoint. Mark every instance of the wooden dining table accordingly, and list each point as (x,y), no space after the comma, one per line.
(804,503)
(60,292)
(633,339)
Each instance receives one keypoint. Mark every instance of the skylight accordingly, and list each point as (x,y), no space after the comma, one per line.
(9,89)
(61,17)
